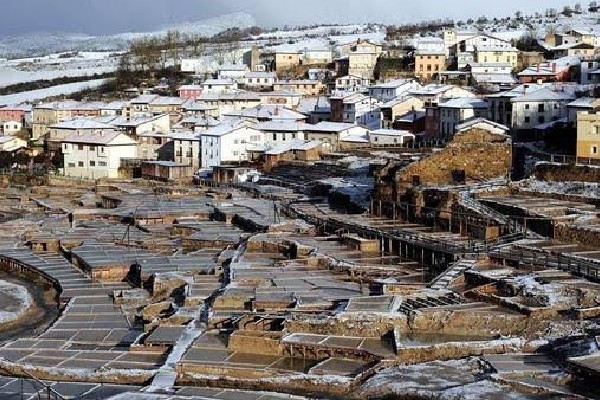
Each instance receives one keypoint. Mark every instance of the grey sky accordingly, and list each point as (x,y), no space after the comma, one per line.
(113,16)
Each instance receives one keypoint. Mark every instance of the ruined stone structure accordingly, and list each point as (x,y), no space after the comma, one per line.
(480,151)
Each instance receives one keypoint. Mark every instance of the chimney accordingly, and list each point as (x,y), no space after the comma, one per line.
(553,67)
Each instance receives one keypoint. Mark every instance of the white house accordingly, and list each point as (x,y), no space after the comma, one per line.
(500,106)
(11,143)
(311,56)
(216,86)
(387,91)
(10,127)
(352,83)
(455,111)
(276,133)
(228,142)
(434,93)
(94,156)
(332,133)
(234,72)
(362,110)
(258,80)
(539,107)
(265,112)
(113,109)
(140,105)
(137,125)
(186,148)
(382,137)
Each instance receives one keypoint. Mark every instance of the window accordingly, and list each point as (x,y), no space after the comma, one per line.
(274,136)
(594,150)
(71,165)
(527,120)
(79,147)
(92,148)
(540,108)
(92,163)
(527,106)
(102,163)
(541,119)
(80,164)
(597,130)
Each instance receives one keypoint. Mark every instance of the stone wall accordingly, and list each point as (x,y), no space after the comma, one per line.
(474,155)
(571,173)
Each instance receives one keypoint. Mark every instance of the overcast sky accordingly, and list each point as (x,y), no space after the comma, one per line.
(114,16)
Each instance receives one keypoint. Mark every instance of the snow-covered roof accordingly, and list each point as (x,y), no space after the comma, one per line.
(144,99)
(267,111)
(497,48)
(136,121)
(583,102)
(200,120)
(225,128)
(312,104)
(185,135)
(219,82)
(279,126)
(190,87)
(115,105)
(167,100)
(519,90)
(494,77)
(392,84)
(392,132)
(567,46)
(81,123)
(327,126)
(550,124)
(481,123)
(239,96)
(355,138)
(233,67)
(103,139)
(464,102)
(297,144)
(261,75)
(197,106)
(544,94)
(431,89)
(411,116)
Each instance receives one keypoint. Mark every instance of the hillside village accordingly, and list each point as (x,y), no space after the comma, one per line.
(332,212)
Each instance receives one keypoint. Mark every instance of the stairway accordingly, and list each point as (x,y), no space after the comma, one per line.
(453,272)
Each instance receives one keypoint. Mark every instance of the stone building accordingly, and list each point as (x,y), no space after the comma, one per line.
(480,150)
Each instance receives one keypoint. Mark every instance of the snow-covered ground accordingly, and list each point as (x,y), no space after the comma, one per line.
(54,66)
(58,90)
(19,296)
(586,189)
(44,43)
(450,380)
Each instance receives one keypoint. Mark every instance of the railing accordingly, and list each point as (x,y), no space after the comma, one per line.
(405,236)
(576,266)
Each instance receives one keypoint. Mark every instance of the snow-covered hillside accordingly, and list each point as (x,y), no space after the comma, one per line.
(45,43)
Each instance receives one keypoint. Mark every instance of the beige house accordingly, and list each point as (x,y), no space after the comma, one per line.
(398,107)
(497,55)
(45,114)
(362,58)
(286,61)
(588,134)
(429,63)
(306,87)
